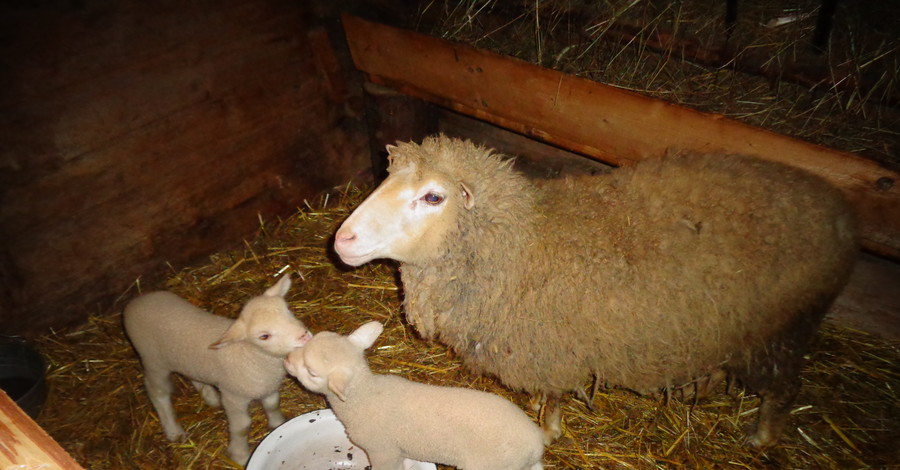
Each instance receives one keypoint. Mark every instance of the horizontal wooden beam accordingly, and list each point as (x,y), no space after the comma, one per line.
(603,122)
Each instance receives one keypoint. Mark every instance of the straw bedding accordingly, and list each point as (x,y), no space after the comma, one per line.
(846,416)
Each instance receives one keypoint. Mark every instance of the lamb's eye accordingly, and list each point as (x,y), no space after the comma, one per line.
(311,373)
(264,337)
(433,199)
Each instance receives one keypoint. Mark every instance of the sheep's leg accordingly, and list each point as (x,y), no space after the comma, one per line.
(236,409)
(702,387)
(708,384)
(551,418)
(159,389)
(774,412)
(536,402)
(208,392)
(272,406)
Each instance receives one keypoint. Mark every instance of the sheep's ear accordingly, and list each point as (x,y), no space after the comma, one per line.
(365,336)
(337,383)
(280,288)
(390,153)
(468,197)
(235,333)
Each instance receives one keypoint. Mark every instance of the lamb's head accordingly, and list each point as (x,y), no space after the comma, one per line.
(408,216)
(329,361)
(267,323)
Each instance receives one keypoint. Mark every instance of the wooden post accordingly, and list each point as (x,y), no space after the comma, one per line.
(603,122)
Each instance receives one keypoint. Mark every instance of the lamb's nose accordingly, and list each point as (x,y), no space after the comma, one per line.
(304,338)
(344,237)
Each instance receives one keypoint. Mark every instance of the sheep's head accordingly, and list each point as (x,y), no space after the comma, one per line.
(329,361)
(407,217)
(267,323)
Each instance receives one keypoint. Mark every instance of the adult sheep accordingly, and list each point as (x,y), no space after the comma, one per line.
(666,275)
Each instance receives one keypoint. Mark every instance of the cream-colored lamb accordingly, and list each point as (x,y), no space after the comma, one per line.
(392,418)
(230,362)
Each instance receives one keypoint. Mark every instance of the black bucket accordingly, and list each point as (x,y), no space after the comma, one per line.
(22,375)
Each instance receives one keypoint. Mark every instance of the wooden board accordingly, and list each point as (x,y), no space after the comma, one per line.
(140,136)
(603,122)
(25,445)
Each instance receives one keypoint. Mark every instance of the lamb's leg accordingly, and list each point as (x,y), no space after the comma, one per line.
(385,459)
(774,412)
(551,418)
(159,389)
(272,406)
(208,392)
(236,409)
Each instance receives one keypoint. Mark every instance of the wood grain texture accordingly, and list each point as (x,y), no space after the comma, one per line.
(603,122)
(136,134)
(26,446)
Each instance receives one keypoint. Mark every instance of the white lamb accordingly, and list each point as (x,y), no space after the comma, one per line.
(230,362)
(392,418)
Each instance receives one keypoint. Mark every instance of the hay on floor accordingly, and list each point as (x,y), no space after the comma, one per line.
(846,417)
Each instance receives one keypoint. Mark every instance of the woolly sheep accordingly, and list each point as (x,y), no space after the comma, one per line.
(230,362)
(392,418)
(668,275)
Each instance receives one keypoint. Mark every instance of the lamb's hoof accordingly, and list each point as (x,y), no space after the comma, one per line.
(239,456)
(176,435)
(275,422)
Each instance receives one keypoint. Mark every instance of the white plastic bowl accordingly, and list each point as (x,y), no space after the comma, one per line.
(314,441)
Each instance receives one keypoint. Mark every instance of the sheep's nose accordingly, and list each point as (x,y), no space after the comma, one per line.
(344,237)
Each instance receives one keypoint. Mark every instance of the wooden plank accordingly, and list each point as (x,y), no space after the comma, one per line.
(603,122)
(140,134)
(25,445)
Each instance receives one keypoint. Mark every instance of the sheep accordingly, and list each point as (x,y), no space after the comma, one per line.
(393,419)
(668,275)
(230,362)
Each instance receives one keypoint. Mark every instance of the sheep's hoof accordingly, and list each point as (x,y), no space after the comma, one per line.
(760,439)
(551,434)
(536,402)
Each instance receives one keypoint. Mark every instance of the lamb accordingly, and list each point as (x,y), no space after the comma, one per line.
(392,418)
(665,276)
(230,362)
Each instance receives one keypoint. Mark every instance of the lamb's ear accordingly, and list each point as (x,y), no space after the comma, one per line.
(365,336)
(280,288)
(235,333)
(337,383)
(468,197)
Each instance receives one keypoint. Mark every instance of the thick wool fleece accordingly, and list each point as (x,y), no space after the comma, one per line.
(646,278)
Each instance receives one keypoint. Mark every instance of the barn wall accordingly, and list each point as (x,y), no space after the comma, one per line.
(139,134)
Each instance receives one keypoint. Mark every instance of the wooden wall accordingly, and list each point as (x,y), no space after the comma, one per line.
(138,134)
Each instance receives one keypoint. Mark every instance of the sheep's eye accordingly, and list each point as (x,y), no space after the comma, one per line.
(433,199)
(264,337)
(311,373)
